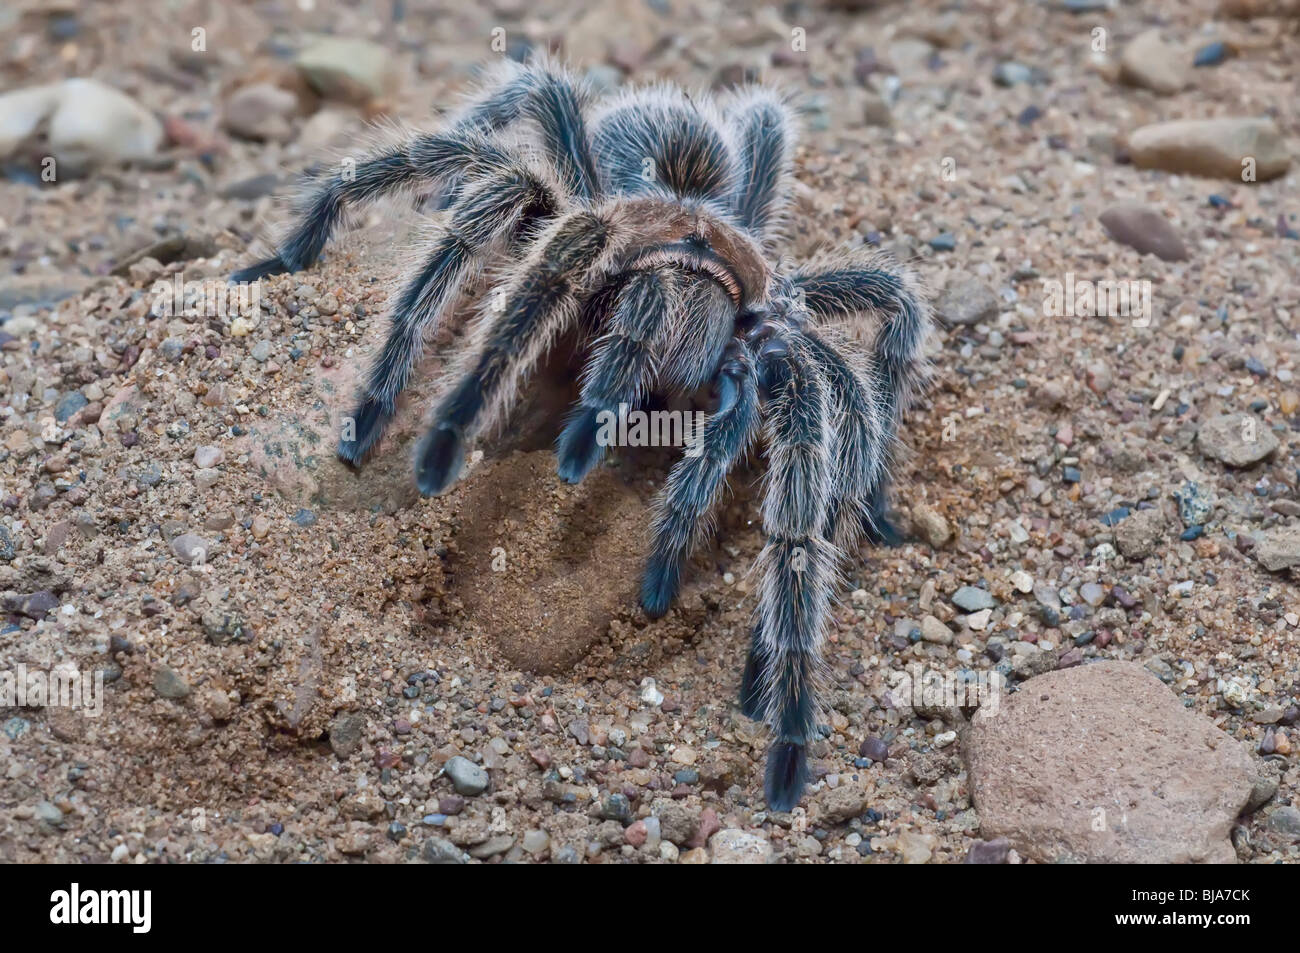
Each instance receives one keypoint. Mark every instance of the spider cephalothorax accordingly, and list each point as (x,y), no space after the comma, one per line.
(645,219)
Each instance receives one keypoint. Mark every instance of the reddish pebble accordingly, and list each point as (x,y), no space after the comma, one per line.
(636,834)
(452,804)
(709,825)
(541,757)
(638,758)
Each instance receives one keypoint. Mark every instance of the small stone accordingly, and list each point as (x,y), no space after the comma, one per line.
(1239,440)
(536,842)
(935,632)
(68,406)
(1144,229)
(466,777)
(1219,148)
(1148,62)
(1285,820)
(1092,593)
(1140,534)
(191,549)
(1278,548)
(1022,581)
(261,526)
(733,846)
(874,748)
(916,848)
(979,621)
(966,301)
(348,69)
(989,851)
(931,525)
(208,456)
(347,731)
(169,684)
(971,599)
(261,111)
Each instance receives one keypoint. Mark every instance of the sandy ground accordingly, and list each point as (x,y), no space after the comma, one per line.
(296,695)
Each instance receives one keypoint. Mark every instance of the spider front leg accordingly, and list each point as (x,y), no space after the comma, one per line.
(539,304)
(797,565)
(621,367)
(696,480)
(499,205)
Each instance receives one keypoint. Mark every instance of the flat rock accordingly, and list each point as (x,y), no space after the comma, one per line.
(1145,229)
(1148,62)
(348,69)
(1278,548)
(1239,440)
(733,846)
(966,301)
(1102,764)
(1211,147)
(1141,533)
(973,599)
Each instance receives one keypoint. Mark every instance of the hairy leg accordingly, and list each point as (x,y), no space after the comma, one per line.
(866,284)
(419,160)
(696,480)
(765,130)
(496,206)
(797,565)
(539,304)
(621,368)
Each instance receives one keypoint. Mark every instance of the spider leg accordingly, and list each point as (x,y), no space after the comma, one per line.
(797,564)
(871,284)
(859,451)
(538,305)
(420,159)
(696,480)
(682,353)
(765,131)
(500,204)
(622,365)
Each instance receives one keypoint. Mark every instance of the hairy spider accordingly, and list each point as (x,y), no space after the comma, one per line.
(647,219)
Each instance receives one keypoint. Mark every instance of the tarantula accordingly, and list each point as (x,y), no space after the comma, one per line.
(646,219)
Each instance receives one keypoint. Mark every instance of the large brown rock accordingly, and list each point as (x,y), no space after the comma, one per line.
(1212,147)
(1103,764)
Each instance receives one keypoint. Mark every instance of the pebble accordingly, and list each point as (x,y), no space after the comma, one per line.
(732,846)
(169,684)
(84,121)
(972,599)
(873,748)
(931,525)
(1011,73)
(466,777)
(1225,438)
(1211,147)
(191,548)
(1148,62)
(1022,581)
(935,632)
(1144,229)
(208,456)
(1212,54)
(68,406)
(262,112)
(348,69)
(1092,593)
(966,301)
